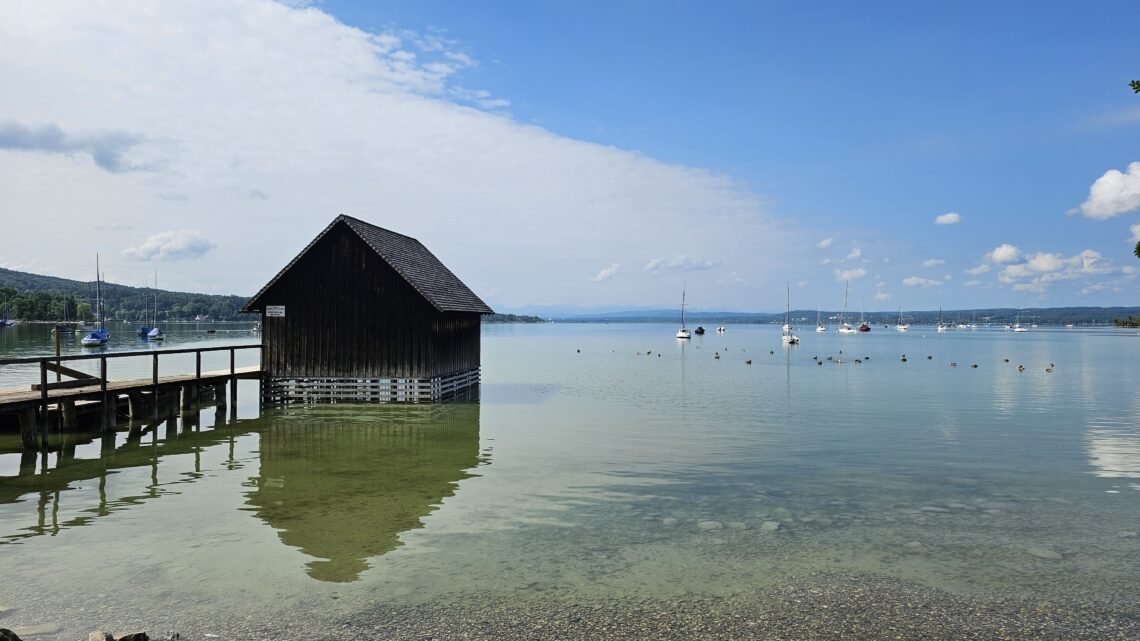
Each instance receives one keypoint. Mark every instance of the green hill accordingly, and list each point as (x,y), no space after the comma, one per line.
(32,297)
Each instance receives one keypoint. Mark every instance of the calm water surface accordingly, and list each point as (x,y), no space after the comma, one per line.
(603,461)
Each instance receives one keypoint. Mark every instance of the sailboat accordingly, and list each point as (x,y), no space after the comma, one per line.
(818,325)
(145,328)
(863,326)
(99,336)
(788,338)
(683,333)
(901,326)
(1017,324)
(942,327)
(844,327)
(155,333)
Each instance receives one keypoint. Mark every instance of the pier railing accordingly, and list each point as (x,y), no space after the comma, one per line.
(83,381)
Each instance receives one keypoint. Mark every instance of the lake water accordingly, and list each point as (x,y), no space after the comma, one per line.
(601,461)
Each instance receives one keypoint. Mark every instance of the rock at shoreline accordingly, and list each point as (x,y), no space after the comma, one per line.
(134,636)
(8,635)
(100,636)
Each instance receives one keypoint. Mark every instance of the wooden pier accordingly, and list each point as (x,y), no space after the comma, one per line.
(83,392)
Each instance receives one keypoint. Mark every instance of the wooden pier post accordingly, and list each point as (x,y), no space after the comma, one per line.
(68,418)
(30,429)
(103,423)
(43,404)
(233,386)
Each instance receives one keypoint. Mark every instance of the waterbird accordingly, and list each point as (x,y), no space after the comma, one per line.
(819,362)
(717,355)
(1048,369)
(857,361)
(828,358)
(974,365)
(579,351)
(929,357)
(1005,360)
(953,365)
(748,362)
(771,351)
(904,358)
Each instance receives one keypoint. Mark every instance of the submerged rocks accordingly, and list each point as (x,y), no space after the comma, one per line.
(770,526)
(1044,553)
(710,525)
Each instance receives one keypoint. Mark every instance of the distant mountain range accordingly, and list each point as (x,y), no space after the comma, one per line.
(30,296)
(806,317)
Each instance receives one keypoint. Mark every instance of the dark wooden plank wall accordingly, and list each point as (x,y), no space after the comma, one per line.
(349,315)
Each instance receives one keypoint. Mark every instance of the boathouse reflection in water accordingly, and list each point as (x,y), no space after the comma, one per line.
(342,482)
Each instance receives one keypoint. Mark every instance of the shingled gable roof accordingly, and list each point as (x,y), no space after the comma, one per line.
(411,260)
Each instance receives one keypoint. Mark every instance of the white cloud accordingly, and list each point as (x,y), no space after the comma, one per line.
(1040,270)
(327,119)
(1005,253)
(979,270)
(825,243)
(1129,270)
(855,253)
(918,281)
(825,261)
(972,283)
(882,296)
(850,274)
(933,262)
(1113,194)
(1135,229)
(949,218)
(607,273)
(681,263)
(170,245)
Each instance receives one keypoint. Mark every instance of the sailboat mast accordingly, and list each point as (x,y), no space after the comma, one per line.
(682,306)
(98,293)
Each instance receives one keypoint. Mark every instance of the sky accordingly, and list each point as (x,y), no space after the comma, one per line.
(586,154)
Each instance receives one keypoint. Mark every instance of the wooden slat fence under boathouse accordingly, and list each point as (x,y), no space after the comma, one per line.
(364,314)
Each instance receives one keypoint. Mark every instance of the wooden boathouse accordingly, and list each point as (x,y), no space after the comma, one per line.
(366,314)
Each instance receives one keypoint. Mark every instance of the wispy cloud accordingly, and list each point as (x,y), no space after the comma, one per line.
(1112,194)
(854,254)
(825,243)
(918,281)
(1117,118)
(107,149)
(882,296)
(1135,229)
(681,263)
(979,270)
(169,246)
(949,218)
(850,274)
(933,262)
(607,273)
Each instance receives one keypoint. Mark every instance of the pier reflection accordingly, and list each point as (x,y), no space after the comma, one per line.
(342,482)
(73,484)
